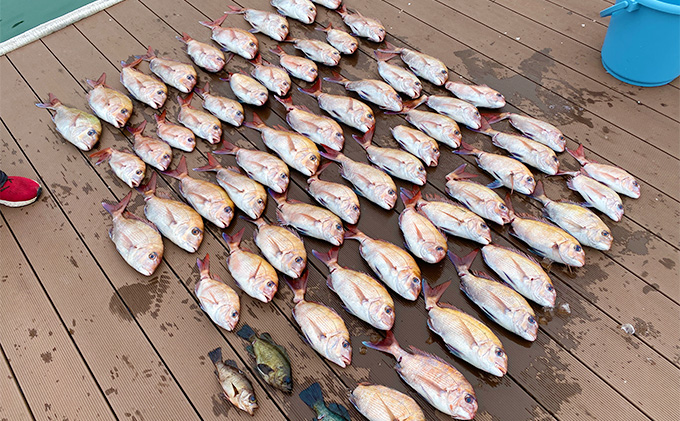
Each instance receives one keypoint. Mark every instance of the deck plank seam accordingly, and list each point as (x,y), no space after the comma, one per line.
(11,370)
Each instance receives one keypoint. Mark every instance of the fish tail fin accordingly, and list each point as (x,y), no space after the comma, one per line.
(336,78)
(228,148)
(185,38)
(102,155)
(492,118)
(138,129)
(312,396)
(329,259)
(233,241)
(212,164)
(383,55)
(484,127)
(202,91)
(390,48)
(133,63)
(329,153)
(318,172)
(342,9)
(256,61)
(99,82)
(353,233)
(365,140)
(186,100)
(410,197)
(511,208)
(233,10)
(180,171)
(150,54)
(118,208)
(568,173)
(256,124)
(214,23)
(578,154)
(462,264)
(279,198)
(539,192)
(324,29)
(246,332)
(277,50)
(150,187)
(286,101)
(460,174)
(409,105)
(52,102)
(160,118)
(433,294)
(203,264)
(388,345)
(215,355)
(314,90)
(466,149)
(299,286)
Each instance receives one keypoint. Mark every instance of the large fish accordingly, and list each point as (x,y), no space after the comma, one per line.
(78,127)
(536,129)
(317,51)
(393,265)
(362,26)
(478,198)
(341,40)
(323,328)
(313,398)
(247,89)
(107,103)
(347,110)
(331,4)
(370,182)
(371,90)
(272,25)
(421,237)
(281,247)
(217,299)
(393,161)
(614,177)
(521,272)
(154,152)
(427,67)
(362,295)
(137,240)
(508,172)
(261,166)
(302,10)
(477,95)
(272,77)
(252,273)
(236,388)
(380,403)
(498,301)
(126,166)
(399,78)
(176,221)
(309,220)
(247,194)
(202,124)
(299,67)
(596,194)
(336,197)
(271,359)
(575,219)
(461,111)
(204,55)
(438,126)
(181,76)
(174,135)
(465,337)
(296,150)
(321,130)
(437,381)
(225,109)
(144,88)
(417,143)
(233,40)
(206,198)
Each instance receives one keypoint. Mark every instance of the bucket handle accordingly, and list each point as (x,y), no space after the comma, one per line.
(630,5)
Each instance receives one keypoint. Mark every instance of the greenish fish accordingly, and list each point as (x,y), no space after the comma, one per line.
(313,397)
(271,359)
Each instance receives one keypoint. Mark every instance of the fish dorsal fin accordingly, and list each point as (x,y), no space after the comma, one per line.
(518,252)
(130,215)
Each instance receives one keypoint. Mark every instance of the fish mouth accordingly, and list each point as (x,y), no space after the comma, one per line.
(502,369)
(345,360)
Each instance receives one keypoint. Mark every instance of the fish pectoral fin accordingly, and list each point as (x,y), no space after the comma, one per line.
(360,294)
(265,369)
(250,350)
(499,303)
(495,184)
(240,190)
(454,351)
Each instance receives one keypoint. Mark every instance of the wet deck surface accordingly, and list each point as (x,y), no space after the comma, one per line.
(85,337)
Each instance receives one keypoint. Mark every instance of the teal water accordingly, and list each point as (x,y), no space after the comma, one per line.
(17,16)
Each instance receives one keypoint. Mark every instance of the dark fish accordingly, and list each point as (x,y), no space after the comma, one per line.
(313,397)
(236,387)
(271,359)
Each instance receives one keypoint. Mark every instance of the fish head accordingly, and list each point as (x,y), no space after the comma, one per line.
(479,230)
(526,324)
(146,258)
(472,117)
(333,231)
(614,208)
(366,121)
(187,81)
(631,187)
(430,151)
(268,287)
(549,163)
(120,113)
(282,86)
(555,140)
(387,196)
(409,284)
(246,401)
(278,28)
(496,99)
(572,253)
(310,161)
(333,136)
(440,75)
(259,97)
(432,251)
(278,179)
(228,316)
(462,403)
(494,359)
(213,63)
(211,131)
(186,140)
(351,211)
(376,33)
(414,88)
(157,96)
(87,135)
(544,292)
(525,183)
(296,261)
(417,170)
(221,211)
(339,350)
(164,159)
(255,203)
(306,12)
(600,239)
(190,234)
(381,315)
(453,134)
(132,172)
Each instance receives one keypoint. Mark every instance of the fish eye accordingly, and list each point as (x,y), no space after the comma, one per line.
(550,288)
(159,92)
(530,179)
(284,176)
(138,172)
(499,352)
(270,284)
(390,192)
(531,320)
(354,44)
(252,44)
(484,226)
(369,116)
(381,30)
(476,113)
(499,95)
(251,398)
(338,227)
(91,132)
(299,259)
(555,158)
(388,310)
(416,281)
(345,344)
(456,132)
(124,111)
(195,231)
(227,209)
(284,27)
(440,248)
(469,398)
(619,206)
(420,168)
(261,94)
(311,9)
(260,201)
(577,247)
(561,137)
(443,72)
(190,140)
(418,83)
(234,314)
(166,156)
(190,77)
(355,208)
(635,183)
(502,207)
(153,255)
(605,233)
(338,134)
(312,158)
(216,127)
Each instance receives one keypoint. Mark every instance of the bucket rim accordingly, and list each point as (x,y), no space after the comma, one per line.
(661,6)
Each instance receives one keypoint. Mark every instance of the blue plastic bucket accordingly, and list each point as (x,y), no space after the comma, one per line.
(642,45)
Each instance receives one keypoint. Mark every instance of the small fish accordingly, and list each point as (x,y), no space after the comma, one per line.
(299,67)
(302,10)
(204,55)
(477,95)
(321,130)
(371,90)
(206,198)
(508,172)
(261,166)
(521,272)
(154,152)
(393,265)
(144,88)
(252,273)
(176,221)
(362,26)
(125,165)
(341,40)
(233,40)
(137,240)
(478,198)
(309,220)
(361,295)
(272,25)
(225,109)
(399,78)
(78,127)
(199,122)
(347,110)
(460,111)
(615,178)
(380,403)
(271,359)
(217,299)
(281,247)
(107,103)
(323,328)
(313,398)
(440,127)
(247,194)
(498,301)
(236,387)
(370,182)
(296,150)
(247,89)
(336,197)
(536,129)
(427,67)
(181,76)
(437,381)
(575,219)
(423,239)
(465,337)
(317,51)
(272,77)
(417,143)
(174,135)
(596,194)
(393,161)
(331,4)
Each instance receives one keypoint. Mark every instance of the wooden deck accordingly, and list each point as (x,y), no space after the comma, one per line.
(84,337)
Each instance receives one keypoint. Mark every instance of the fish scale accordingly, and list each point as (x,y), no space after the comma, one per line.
(281,247)
(220,302)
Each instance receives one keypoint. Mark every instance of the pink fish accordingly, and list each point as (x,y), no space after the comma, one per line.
(321,130)
(181,76)
(144,88)
(362,26)
(371,90)
(126,166)
(477,95)
(217,299)
(393,161)
(309,220)
(272,77)
(423,65)
(423,239)
(536,129)
(261,166)
(417,143)
(107,103)
(273,25)
(615,178)
(252,273)
(347,110)
(78,127)
(154,152)
(226,109)
(341,40)
(336,197)
(399,78)
(176,136)
(299,67)
(204,55)
(437,126)
(234,40)
(317,51)
(199,122)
